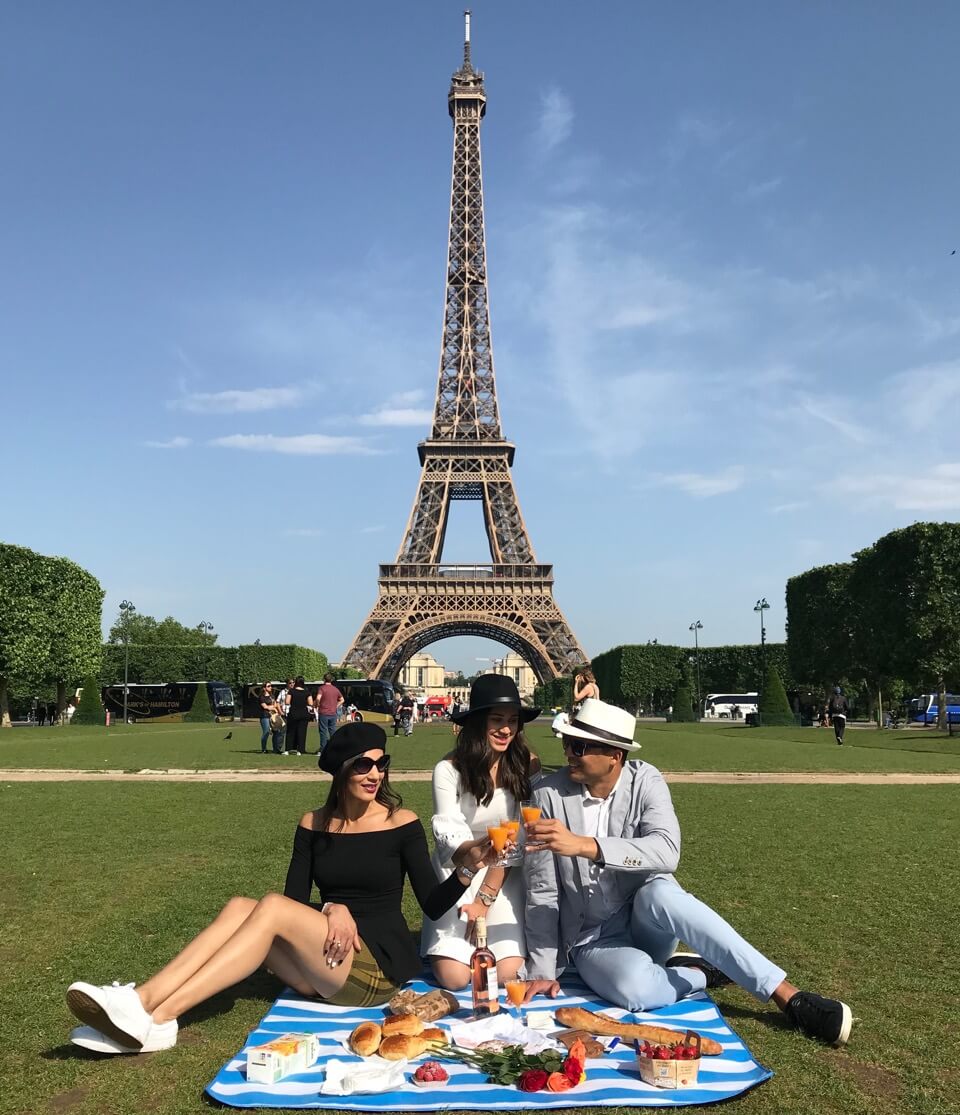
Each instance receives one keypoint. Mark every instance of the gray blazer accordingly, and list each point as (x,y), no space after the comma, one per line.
(646,846)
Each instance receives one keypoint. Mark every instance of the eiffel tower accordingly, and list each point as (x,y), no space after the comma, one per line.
(466,457)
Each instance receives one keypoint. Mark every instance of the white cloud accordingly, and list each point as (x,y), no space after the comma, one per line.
(936,489)
(757,190)
(783,508)
(397,416)
(239,402)
(920,397)
(371,530)
(826,412)
(173,443)
(308,445)
(704,485)
(556,119)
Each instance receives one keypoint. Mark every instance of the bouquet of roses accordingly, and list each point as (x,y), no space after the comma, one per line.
(531,1072)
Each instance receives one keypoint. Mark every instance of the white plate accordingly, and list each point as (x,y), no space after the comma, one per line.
(429,1083)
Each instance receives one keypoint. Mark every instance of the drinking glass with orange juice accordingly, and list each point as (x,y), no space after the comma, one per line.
(530,812)
(516,990)
(498,838)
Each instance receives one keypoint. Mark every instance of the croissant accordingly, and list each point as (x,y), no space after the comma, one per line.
(579,1019)
(401,1024)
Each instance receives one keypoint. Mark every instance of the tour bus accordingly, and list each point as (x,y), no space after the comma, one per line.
(166,701)
(720,706)
(373,700)
(924,709)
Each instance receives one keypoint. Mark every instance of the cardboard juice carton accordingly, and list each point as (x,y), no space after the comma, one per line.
(285,1055)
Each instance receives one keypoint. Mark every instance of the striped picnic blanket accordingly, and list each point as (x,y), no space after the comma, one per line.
(612,1081)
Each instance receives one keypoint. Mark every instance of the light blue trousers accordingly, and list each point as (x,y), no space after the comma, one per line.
(625,964)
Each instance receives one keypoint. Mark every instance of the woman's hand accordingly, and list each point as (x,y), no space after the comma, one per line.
(473,910)
(475,854)
(342,935)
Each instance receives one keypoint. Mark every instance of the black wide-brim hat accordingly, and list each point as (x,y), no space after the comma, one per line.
(348,742)
(492,691)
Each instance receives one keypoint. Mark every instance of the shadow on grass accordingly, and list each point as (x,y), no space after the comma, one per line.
(770,1017)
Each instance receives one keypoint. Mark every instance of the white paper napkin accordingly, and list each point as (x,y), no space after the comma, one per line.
(468,1035)
(346,1079)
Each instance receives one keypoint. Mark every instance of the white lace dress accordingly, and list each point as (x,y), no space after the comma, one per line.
(457,816)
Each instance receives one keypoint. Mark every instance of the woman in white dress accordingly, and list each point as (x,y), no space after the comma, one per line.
(584,686)
(482,781)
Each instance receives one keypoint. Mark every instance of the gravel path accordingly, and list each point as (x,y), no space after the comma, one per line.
(720,778)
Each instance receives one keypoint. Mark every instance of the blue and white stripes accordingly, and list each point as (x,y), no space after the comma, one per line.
(612,1081)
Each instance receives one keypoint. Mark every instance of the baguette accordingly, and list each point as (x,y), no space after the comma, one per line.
(579,1019)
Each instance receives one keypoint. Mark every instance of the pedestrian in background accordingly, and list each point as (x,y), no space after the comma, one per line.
(838,709)
(299,715)
(271,720)
(584,686)
(329,700)
(41,713)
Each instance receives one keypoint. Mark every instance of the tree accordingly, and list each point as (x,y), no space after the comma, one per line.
(774,708)
(683,701)
(820,619)
(89,710)
(199,711)
(49,623)
(907,592)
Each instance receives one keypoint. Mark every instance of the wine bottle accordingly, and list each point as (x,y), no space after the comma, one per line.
(483,974)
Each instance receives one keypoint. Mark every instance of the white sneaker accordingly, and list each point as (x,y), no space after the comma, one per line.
(161,1036)
(114,1010)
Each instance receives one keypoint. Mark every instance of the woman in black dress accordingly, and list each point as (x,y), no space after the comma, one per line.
(299,715)
(355,950)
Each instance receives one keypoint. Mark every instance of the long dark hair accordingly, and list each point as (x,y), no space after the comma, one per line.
(326,814)
(473,757)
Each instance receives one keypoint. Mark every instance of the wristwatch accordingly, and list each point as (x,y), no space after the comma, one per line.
(468,871)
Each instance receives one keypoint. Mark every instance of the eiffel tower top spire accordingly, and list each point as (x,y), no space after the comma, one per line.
(466,407)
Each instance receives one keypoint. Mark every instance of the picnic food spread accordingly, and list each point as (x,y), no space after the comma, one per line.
(399,1038)
(596,1023)
(428,1007)
(670,1066)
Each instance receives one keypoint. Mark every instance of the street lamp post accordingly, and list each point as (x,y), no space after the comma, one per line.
(761,606)
(205,628)
(126,611)
(696,627)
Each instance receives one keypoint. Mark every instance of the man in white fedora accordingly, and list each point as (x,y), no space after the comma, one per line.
(601,896)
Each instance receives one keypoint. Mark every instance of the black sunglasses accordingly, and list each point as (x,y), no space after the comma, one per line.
(365,764)
(580,747)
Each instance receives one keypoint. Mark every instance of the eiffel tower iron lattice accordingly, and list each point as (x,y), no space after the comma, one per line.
(466,457)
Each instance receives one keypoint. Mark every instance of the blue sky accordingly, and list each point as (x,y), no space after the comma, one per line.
(725,313)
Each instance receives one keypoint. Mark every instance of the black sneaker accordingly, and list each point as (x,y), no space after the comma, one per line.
(714,977)
(826,1019)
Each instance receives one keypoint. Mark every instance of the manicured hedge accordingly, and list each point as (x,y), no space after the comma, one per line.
(235,665)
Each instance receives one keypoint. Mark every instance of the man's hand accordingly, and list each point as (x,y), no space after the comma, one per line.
(342,935)
(549,835)
(541,987)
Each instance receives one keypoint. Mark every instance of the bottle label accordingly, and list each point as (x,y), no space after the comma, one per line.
(493,991)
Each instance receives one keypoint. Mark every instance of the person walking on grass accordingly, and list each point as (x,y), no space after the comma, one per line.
(299,715)
(355,950)
(329,701)
(602,899)
(838,707)
(270,708)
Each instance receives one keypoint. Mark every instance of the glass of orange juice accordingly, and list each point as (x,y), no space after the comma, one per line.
(498,838)
(530,812)
(514,855)
(516,990)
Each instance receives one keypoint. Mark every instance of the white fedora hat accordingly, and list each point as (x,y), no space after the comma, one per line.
(603,723)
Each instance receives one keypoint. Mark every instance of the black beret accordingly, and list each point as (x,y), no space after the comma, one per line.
(350,741)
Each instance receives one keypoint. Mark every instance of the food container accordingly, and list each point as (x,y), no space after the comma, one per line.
(679,1073)
(287,1054)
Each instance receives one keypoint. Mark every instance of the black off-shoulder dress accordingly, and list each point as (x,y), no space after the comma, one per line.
(364,871)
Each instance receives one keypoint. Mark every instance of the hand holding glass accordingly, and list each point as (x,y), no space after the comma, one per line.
(498,838)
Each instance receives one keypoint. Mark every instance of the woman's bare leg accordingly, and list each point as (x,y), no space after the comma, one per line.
(192,958)
(303,930)
(508,967)
(450,974)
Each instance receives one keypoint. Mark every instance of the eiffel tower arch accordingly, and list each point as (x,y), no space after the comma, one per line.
(510,599)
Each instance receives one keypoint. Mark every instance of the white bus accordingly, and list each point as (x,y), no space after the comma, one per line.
(729,706)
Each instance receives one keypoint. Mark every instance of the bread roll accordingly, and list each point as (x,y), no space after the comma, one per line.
(435,1036)
(365,1039)
(402,1047)
(401,1024)
(429,1006)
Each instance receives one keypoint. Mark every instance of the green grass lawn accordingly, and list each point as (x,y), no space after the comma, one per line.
(669,746)
(853,889)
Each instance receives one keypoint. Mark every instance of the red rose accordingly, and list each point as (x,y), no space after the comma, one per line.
(533,1080)
(573,1070)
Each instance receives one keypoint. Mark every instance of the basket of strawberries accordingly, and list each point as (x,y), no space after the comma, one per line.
(670,1066)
